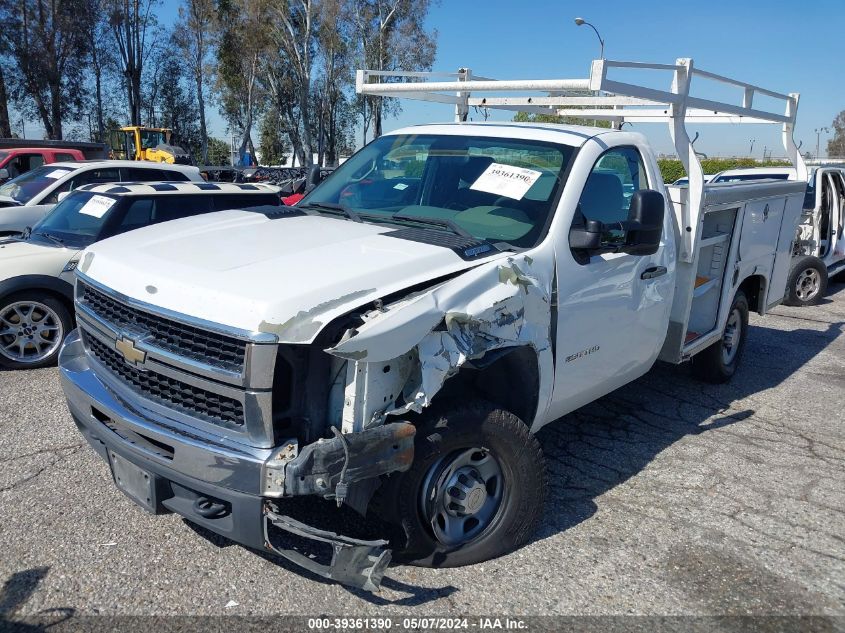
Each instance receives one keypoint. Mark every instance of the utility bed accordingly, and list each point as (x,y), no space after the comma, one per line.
(763,214)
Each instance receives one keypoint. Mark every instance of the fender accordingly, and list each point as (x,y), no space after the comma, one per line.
(36,282)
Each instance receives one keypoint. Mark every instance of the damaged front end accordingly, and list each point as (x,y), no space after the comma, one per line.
(392,362)
(346,468)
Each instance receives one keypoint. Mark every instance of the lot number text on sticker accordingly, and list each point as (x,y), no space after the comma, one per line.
(506,180)
(97,206)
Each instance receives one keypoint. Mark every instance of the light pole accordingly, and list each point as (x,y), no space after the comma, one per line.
(818,137)
(582,22)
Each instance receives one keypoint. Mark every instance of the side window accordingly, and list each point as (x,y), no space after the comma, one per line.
(35,160)
(617,174)
(61,157)
(92,176)
(174,207)
(138,214)
(138,174)
(174,176)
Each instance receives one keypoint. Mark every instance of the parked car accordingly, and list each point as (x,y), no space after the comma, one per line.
(36,270)
(406,328)
(28,198)
(819,250)
(819,247)
(19,160)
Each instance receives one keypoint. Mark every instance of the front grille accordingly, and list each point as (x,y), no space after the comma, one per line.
(195,401)
(203,346)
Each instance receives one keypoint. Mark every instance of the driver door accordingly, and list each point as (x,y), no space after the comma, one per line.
(613,307)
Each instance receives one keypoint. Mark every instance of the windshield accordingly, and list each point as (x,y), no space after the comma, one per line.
(500,190)
(151,138)
(26,186)
(76,220)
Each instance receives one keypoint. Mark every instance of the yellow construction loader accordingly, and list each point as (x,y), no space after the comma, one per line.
(135,142)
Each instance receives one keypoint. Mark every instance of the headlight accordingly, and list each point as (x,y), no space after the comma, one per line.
(70,266)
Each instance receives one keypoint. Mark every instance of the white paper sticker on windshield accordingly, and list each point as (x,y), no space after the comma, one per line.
(401,186)
(97,206)
(506,180)
(57,173)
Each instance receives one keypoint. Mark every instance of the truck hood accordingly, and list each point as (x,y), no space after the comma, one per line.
(288,276)
(25,258)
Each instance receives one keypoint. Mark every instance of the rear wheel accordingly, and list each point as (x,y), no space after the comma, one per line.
(807,282)
(32,328)
(475,491)
(718,363)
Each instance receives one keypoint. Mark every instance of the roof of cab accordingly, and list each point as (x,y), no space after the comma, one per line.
(170,187)
(574,135)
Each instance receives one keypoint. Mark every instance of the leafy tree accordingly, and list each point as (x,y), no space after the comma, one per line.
(836,145)
(525,117)
(391,36)
(47,41)
(193,37)
(131,21)
(243,42)
(218,151)
(271,142)
(178,105)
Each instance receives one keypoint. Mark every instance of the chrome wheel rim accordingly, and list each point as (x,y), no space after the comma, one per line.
(461,495)
(808,284)
(29,331)
(730,339)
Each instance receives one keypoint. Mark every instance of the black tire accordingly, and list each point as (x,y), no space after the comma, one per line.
(456,429)
(717,364)
(63,319)
(807,282)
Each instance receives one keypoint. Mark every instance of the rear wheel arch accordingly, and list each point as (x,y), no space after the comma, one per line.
(755,288)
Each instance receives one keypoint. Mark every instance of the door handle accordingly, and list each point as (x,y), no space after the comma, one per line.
(653,271)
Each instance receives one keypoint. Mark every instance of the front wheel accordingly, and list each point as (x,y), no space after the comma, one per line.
(807,282)
(32,328)
(718,363)
(475,491)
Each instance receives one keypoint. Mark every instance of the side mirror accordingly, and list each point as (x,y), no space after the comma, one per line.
(313,179)
(586,237)
(645,223)
(62,195)
(4,174)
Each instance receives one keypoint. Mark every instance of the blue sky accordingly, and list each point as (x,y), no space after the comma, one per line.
(780,45)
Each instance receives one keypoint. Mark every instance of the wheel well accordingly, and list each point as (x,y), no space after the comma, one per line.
(754,288)
(66,302)
(508,377)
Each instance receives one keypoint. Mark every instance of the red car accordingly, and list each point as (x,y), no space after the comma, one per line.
(17,161)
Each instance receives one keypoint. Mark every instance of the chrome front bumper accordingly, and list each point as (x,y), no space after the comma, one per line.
(217,483)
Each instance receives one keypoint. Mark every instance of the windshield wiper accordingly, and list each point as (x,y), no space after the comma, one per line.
(444,222)
(56,240)
(332,206)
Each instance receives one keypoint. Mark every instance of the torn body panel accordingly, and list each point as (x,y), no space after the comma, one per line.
(497,305)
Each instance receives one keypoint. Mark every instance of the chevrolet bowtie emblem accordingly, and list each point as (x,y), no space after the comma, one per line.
(132,354)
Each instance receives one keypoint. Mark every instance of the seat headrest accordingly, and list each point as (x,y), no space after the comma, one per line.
(474,167)
(602,197)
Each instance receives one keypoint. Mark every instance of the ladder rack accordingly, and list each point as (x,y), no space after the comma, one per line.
(598,97)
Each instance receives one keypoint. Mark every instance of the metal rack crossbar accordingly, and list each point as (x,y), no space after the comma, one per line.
(601,98)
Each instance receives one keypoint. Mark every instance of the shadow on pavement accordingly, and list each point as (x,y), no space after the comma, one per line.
(601,445)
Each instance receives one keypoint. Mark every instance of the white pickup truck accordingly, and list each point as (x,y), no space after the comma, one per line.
(395,341)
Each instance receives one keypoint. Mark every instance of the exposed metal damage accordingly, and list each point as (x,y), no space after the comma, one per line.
(404,352)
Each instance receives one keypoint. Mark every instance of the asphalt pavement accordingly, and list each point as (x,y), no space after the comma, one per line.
(668,497)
